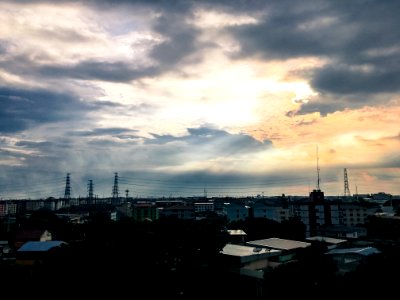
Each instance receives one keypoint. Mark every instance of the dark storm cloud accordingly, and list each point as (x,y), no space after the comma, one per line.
(324,105)
(180,42)
(20,109)
(96,70)
(359,39)
(215,140)
(344,80)
(322,28)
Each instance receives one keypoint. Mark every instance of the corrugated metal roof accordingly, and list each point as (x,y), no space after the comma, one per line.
(326,239)
(40,246)
(239,250)
(236,232)
(280,244)
(366,251)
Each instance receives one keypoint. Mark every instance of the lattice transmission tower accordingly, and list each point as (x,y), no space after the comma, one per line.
(90,189)
(346,184)
(67,193)
(115,191)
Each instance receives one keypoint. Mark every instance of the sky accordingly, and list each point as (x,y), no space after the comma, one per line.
(230,98)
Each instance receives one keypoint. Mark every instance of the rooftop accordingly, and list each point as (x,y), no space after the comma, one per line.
(242,251)
(236,232)
(366,251)
(280,244)
(326,239)
(40,246)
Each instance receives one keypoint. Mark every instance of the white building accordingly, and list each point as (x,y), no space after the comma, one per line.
(235,212)
(200,207)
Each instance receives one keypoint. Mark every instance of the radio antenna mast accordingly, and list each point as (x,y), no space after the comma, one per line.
(318,178)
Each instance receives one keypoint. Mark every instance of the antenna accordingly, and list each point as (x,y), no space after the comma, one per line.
(346,184)
(318,180)
(357,191)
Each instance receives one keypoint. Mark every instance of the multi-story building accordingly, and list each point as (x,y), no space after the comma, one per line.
(315,212)
(8,208)
(3,208)
(186,212)
(353,214)
(144,211)
(200,207)
(235,212)
(271,210)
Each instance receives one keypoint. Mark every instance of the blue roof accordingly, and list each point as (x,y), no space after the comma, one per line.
(40,246)
(362,251)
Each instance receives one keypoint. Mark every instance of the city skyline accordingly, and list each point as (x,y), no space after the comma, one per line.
(177,97)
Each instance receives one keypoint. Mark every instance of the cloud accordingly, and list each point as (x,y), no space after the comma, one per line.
(345,80)
(160,70)
(32,144)
(214,141)
(112,71)
(356,40)
(21,108)
(181,41)
(323,105)
(102,131)
(96,70)
(169,39)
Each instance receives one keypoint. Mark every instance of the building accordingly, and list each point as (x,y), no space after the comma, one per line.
(288,248)
(144,211)
(202,207)
(347,260)
(32,253)
(8,208)
(329,242)
(248,260)
(355,213)
(3,208)
(237,236)
(342,231)
(273,210)
(28,235)
(235,212)
(184,212)
(315,212)
(124,210)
